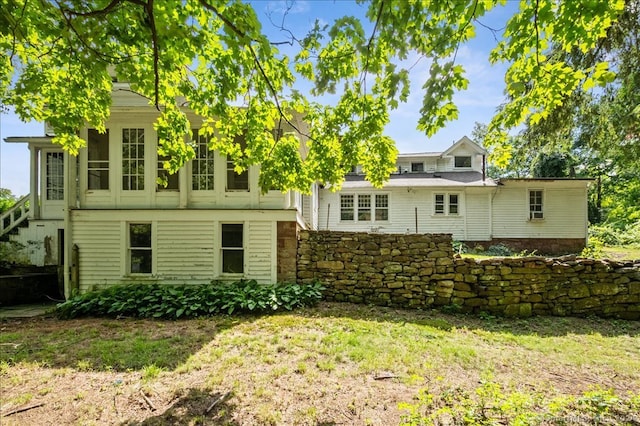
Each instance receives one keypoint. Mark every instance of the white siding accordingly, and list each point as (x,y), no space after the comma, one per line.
(259,249)
(564,207)
(100,252)
(185,250)
(405,204)
(478,215)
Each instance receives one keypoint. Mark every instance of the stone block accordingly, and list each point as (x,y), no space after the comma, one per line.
(607,289)
(392,269)
(578,291)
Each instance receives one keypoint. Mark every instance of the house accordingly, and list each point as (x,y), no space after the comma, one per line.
(449,192)
(103,218)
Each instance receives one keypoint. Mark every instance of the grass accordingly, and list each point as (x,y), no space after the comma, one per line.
(313,366)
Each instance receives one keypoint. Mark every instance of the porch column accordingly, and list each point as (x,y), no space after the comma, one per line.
(34,198)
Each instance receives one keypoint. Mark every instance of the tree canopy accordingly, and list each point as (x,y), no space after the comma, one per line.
(214,55)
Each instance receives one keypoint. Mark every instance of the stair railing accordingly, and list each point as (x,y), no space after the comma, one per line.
(15,215)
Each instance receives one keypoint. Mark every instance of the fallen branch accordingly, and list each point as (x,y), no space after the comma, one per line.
(385,375)
(21,409)
(148,401)
(217,401)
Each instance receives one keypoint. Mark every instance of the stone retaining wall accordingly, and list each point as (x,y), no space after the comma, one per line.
(420,271)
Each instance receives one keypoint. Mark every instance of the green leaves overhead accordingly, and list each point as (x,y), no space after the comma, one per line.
(213,56)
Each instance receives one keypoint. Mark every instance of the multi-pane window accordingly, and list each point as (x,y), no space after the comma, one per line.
(232,248)
(446,204)
(132,159)
(202,165)
(453,203)
(140,249)
(364,207)
(346,207)
(417,167)
(55,176)
(462,161)
(439,204)
(237,181)
(382,207)
(535,204)
(165,180)
(97,159)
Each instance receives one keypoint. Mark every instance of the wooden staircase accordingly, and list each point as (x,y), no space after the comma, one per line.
(13,217)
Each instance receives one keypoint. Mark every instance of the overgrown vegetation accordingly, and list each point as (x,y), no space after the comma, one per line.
(492,403)
(496,250)
(188,301)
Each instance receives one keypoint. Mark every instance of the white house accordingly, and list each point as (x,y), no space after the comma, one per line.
(102,217)
(449,192)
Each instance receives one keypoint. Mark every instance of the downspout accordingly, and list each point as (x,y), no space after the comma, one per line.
(484,171)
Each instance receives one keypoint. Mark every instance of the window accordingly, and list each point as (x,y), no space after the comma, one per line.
(132,159)
(463,161)
(453,203)
(417,167)
(439,203)
(366,210)
(346,207)
(163,175)
(382,207)
(535,204)
(237,181)
(98,159)
(202,164)
(364,207)
(140,251)
(232,248)
(446,204)
(55,176)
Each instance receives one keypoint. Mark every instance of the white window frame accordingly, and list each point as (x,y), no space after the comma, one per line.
(150,248)
(463,156)
(242,249)
(54,177)
(130,181)
(365,203)
(100,165)
(204,157)
(446,204)
(533,213)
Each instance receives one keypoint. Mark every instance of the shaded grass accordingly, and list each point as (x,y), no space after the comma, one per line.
(301,367)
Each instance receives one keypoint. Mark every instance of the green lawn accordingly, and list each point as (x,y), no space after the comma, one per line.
(333,364)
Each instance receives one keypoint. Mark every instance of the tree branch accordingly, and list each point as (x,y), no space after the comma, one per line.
(154,42)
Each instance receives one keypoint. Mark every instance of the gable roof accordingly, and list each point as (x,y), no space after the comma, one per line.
(464,141)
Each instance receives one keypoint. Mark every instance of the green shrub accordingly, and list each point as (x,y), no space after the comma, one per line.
(499,250)
(187,301)
(611,236)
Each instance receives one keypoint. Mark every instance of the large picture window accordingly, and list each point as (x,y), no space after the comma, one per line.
(535,204)
(232,248)
(462,161)
(132,159)
(202,165)
(97,159)
(140,248)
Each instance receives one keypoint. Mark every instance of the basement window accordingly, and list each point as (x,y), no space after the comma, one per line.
(140,249)
(232,248)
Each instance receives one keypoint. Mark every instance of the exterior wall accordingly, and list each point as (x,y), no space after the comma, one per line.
(405,204)
(564,205)
(41,241)
(420,271)
(186,245)
(287,251)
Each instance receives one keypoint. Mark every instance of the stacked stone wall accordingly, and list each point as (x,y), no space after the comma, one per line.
(421,271)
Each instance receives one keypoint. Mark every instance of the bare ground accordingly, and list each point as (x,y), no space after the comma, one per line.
(250,371)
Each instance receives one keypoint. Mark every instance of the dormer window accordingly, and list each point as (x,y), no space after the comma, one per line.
(463,161)
(417,167)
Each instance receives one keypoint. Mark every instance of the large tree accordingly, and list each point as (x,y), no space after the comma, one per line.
(214,55)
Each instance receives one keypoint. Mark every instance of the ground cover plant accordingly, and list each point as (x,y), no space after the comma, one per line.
(329,364)
(156,301)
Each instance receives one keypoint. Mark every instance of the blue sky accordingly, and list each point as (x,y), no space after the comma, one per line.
(477,104)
